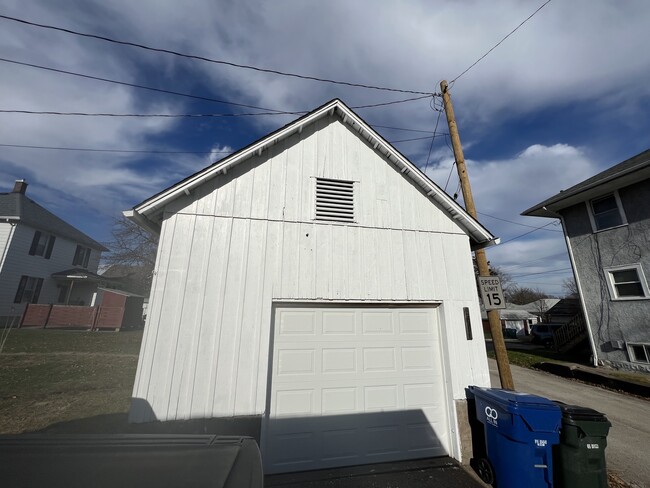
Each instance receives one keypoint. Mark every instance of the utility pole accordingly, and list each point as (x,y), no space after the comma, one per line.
(505,375)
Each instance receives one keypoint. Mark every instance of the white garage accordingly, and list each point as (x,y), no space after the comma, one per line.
(315,290)
(354,385)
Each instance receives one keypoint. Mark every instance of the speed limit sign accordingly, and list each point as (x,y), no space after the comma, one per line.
(491,292)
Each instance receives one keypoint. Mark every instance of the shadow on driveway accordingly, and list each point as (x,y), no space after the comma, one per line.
(435,472)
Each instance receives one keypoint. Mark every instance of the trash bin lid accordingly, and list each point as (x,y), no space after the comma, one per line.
(575,412)
(514,399)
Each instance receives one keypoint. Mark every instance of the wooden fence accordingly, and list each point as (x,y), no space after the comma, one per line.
(72,317)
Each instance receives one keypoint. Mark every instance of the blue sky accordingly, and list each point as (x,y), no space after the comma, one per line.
(562,99)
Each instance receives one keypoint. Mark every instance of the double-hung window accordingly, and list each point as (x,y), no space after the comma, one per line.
(606,212)
(627,282)
(81,256)
(42,244)
(29,288)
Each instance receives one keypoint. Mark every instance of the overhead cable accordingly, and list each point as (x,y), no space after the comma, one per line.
(499,43)
(526,233)
(267,111)
(210,60)
(517,223)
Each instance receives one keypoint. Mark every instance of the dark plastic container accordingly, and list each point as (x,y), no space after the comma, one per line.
(519,433)
(129,460)
(580,456)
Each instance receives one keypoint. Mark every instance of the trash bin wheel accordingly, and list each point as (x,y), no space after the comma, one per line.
(484,470)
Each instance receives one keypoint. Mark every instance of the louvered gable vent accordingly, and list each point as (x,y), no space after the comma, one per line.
(334,200)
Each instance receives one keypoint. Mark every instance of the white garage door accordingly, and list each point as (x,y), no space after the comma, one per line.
(354,386)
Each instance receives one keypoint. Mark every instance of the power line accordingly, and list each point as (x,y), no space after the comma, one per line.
(559,270)
(205,115)
(92,149)
(514,266)
(516,223)
(267,111)
(210,60)
(433,136)
(143,87)
(135,151)
(499,43)
(526,233)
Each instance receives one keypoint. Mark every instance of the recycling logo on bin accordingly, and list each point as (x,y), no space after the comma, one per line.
(491,415)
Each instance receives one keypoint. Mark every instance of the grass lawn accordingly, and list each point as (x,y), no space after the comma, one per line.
(50,376)
(527,359)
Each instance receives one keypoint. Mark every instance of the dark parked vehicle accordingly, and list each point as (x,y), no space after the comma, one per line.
(543,334)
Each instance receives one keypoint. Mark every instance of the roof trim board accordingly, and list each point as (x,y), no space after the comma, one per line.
(142,213)
(587,189)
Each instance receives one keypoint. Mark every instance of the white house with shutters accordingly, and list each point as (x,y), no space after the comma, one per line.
(319,283)
(43,259)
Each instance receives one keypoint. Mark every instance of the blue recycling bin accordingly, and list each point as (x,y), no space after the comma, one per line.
(519,432)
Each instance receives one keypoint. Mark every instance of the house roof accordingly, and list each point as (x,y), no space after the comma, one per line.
(16,206)
(510,313)
(149,212)
(629,171)
(79,274)
(541,305)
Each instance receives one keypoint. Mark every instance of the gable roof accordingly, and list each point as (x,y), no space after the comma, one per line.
(147,212)
(629,171)
(17,206)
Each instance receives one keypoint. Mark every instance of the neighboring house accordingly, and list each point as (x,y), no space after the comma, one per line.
(538,307)
(319,285)
(42,258)
(513,320)
(606,222)
(134,279)
(564,311)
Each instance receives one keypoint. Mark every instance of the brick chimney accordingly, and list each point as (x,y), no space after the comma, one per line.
(20,187)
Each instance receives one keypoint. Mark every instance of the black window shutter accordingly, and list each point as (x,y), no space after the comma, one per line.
(37,237)
(86,257)
(50,246)
(75,260)
(21,289)
(37,290)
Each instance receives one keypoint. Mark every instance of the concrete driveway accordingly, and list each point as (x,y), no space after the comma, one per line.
(436,472)
(627,452)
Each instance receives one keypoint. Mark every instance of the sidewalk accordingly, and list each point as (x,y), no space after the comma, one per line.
(614,379)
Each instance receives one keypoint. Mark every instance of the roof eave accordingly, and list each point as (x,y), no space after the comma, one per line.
(154,205)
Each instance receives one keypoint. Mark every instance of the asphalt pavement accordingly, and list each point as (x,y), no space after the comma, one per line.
(628,451)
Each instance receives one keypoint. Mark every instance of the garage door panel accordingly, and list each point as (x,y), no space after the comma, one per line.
(339,400)
(383,359)
(339,323)
(354,386)
(297,322)
(339,360)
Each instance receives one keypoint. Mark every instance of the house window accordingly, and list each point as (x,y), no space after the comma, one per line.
(42,244)
(639,353)
(334,200)
(627,283)
(29,288)
(606,212)
(81,256)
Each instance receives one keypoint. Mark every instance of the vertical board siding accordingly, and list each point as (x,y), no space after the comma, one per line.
(246,239)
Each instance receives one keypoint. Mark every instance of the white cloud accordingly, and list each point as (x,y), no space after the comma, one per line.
(586,51)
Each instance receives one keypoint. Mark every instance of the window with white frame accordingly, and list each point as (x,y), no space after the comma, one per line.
(606,212)
(639,353)
(627,282)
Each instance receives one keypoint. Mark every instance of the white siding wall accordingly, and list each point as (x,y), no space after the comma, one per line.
(18,262)
(247,239)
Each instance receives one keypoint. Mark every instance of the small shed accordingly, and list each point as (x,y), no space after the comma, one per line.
(318,285)
(118,310)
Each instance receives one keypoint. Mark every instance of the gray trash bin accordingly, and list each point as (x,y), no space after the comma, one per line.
(130,460)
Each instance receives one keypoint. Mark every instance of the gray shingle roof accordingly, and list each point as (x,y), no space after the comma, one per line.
(635,163)
(16,206)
